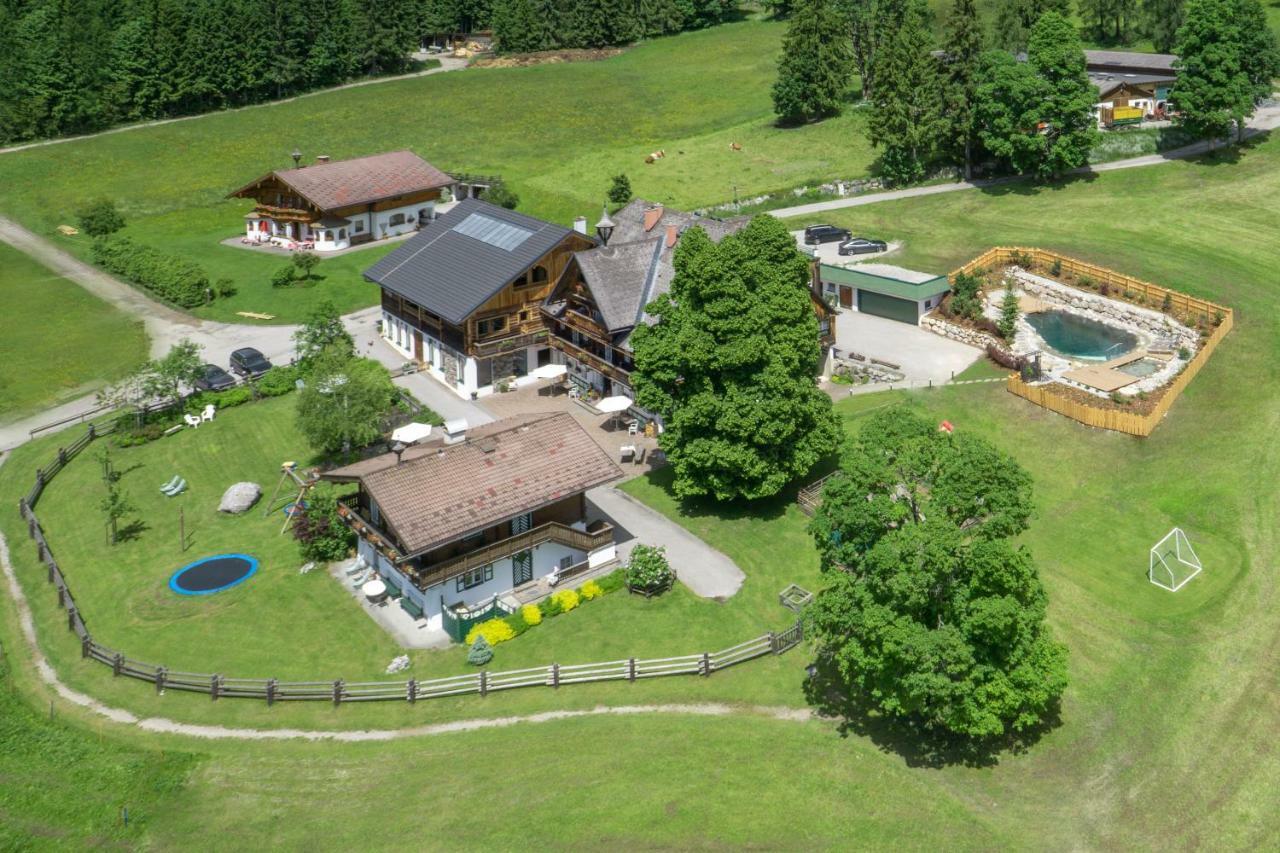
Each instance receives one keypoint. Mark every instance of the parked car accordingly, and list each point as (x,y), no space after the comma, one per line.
(214,378)
(816,234)
(249,362)
(862,246)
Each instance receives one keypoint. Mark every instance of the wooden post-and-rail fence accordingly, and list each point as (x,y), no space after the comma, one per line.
(1049,396)
(338,691)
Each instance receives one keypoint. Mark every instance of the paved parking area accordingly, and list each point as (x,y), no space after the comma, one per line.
(922,356)
(829,253)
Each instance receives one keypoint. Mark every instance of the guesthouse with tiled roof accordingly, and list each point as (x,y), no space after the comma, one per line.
(334,204)
(453,527)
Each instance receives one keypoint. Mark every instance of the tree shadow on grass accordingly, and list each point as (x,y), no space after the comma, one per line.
(918,746)
(131,531)
(764,509)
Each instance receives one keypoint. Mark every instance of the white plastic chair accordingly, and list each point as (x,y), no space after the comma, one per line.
(192,420)
(207,414)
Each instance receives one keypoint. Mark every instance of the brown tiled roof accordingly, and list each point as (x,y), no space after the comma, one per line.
(342,183)
(439,493)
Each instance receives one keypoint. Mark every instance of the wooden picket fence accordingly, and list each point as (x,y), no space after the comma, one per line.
(337,691)
(1050,397)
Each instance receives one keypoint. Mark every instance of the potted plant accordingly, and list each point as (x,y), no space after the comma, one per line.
(648,572)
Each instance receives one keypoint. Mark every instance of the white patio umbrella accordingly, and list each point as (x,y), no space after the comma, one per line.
(549,371)
(411,433)
(611,405)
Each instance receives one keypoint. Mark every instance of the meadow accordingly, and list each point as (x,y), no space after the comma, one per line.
(60,341)
(1164,734)
(557,133)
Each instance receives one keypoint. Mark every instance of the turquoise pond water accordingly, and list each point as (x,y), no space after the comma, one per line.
(1080,337)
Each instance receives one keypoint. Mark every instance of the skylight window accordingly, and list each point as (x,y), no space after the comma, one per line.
(495,232)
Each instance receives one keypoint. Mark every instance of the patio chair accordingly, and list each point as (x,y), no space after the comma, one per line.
(207,414)
(192,420)
(177,489)
(171,484)
(633,428)
(362,578)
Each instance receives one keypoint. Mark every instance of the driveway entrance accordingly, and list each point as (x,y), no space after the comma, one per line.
(922,356)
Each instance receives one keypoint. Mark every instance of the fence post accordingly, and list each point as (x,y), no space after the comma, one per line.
(84,645)
(62,597)
(555,675)
(161,674)
(39,478)
(631,669)
(484,682)
(271,692)
(92,432)
(215,685)
(773,642)
(31,526)
(337,692)
(706,664)
(71,618)
(117,663)
(412,689)
(62,456)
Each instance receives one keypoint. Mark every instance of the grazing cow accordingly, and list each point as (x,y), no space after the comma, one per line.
(735,146)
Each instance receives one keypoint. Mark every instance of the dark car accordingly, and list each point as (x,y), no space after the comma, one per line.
(862,246)
(214,378)
(816,234)
(249,362)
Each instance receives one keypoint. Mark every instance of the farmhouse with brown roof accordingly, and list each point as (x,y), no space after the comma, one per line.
(331,205)
(461,527)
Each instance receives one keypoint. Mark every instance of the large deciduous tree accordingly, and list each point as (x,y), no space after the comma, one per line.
(730,365)
(931,614)
(342,405)
(1007,110)
(906,101)
(815,66)
(1213,91)
(1070,129)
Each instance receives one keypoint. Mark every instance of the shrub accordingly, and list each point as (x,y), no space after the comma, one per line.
(531,614)
(232,397)
(501,195)
(493,630)
(284,277)
(278,381)
(550,607)
(620,189)
(1167,305)
(568,599)
(1184,353)
(517,623)
(481,652)
(1085,281)
(1104,289)
(1119,399)
(100,218)
(1056,267)
(168,276)
(986,324)
(612,582)
(145,433)
(648,569)
(590,590)
(966,299)
(320,530)
(1021,259)
(1218,317)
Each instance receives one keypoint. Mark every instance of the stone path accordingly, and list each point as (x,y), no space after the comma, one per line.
(704,570)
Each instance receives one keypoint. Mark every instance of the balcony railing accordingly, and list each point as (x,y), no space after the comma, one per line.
(485,349)
(552,531)
(349,509)
(590,359)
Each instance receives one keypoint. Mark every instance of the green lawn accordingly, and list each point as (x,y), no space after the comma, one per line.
(556,132)
(59,340)
(1167,730)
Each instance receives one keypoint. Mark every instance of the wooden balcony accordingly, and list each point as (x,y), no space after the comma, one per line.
(553,531)
(591,360)
(510,343)
(271,211)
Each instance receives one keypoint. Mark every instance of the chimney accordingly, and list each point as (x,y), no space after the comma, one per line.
(580,224)
(652,217)
(672,236)
(321,159)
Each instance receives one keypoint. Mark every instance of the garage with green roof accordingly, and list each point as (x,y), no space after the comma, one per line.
(883,290)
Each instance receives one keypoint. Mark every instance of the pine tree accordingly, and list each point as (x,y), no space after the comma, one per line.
(1161,20)
(906,116)
(961,51)
(813,72)
(1259,55)
(1056,54)
(1213,92)
(1016,18)
(658,17)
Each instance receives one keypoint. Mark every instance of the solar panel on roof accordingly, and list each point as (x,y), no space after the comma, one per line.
(495,232)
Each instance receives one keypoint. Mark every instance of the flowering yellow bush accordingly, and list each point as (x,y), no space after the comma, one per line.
(567,599)
(494,630)
(590,590)
(531,614)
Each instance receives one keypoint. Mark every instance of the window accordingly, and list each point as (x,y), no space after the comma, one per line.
(524,315)
(342,233)
(538,275)
(475,577)
(396,219)
(357,227)
(928,303)
(492,326)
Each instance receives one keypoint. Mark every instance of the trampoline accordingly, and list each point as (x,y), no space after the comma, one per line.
(213,574)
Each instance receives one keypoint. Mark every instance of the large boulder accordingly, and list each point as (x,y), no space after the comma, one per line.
(240,497)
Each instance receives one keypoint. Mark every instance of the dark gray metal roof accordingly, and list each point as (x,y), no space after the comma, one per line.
(1108,60)
(463,258)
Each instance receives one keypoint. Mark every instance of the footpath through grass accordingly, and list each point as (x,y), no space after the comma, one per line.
(556,132)
(59,340)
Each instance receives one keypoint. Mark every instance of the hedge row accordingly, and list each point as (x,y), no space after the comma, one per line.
(170,277)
